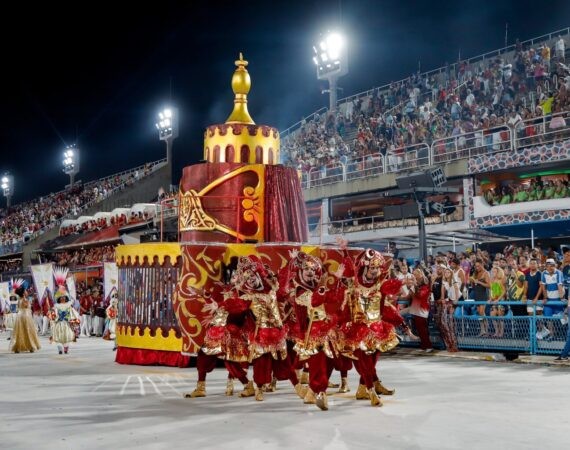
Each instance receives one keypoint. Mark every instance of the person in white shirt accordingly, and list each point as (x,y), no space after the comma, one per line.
(514,119)
(560,48)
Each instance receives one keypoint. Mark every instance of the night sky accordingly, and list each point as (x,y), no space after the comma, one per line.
(96,73)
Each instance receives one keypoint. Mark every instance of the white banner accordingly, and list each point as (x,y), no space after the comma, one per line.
(4,296)
(43,279)
(71,287)
(111,278)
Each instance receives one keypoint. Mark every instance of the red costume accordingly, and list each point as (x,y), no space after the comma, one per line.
(257,285)
(370,329)
(226,338)
(312,328)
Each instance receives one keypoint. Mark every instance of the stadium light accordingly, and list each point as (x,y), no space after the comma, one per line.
(331,59)
(167,127)
(71,163)
(8,188)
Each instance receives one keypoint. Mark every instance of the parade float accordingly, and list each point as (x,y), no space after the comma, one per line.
(240,201)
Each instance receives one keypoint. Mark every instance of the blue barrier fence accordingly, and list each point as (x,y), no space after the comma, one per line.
(515,331)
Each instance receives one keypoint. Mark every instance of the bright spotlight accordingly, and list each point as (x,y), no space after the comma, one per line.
(334,44)
(4,179)
(331,59)
(167,113)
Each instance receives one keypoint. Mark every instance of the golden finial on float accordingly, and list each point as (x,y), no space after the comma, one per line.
(241,84)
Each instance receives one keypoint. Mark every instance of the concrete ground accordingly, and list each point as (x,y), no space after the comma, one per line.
(84,400)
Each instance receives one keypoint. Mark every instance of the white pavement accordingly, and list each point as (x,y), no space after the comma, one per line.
(85,400)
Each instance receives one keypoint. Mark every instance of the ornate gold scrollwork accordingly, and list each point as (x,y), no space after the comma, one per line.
(193,217)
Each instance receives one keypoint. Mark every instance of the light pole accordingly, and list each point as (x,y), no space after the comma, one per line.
(8,188)
(331,59)
(167,127)
(71,163)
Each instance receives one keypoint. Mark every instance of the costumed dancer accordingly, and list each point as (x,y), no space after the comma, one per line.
(11,312)
(64,316)
(111,313)
(267,342)
(99,313)
(25,334)
(226,338)
(47,306)
(371,328)
(86,307)
(312,329)
(37,313)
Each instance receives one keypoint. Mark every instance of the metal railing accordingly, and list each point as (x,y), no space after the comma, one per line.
(466,145)
(9,249)
(377,222)
(478,325)
(532,132)
(542,130)
(288,131)
(366,166)
(410,157)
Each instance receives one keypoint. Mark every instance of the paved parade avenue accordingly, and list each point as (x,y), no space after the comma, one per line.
(85,400)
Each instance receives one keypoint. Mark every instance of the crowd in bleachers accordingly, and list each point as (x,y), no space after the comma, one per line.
(101,223)
(461,99)
(22,222)
(81,257)
(536,189)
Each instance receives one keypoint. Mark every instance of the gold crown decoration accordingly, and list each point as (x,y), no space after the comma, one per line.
(239,139)
(131,337)
(131,253)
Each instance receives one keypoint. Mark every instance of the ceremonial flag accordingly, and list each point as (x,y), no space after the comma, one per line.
(111,278)
(43,279)
(4,295)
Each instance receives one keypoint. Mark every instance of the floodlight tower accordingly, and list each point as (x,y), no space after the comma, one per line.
(71,163)
(331,59)
(8,188)
(167,127)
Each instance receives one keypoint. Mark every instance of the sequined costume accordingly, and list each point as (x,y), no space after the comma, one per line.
(63,315)
(257,285)
(312,327)
(226,338)
(370,329)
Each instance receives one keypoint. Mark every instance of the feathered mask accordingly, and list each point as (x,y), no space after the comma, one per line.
(60,276)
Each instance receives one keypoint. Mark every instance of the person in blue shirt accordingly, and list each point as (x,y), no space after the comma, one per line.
(552,288)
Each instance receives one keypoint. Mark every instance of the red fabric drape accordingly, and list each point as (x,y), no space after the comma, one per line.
(285,214)
(126,355)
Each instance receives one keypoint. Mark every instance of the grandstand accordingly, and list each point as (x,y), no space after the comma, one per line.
(483,119)
(27,226)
